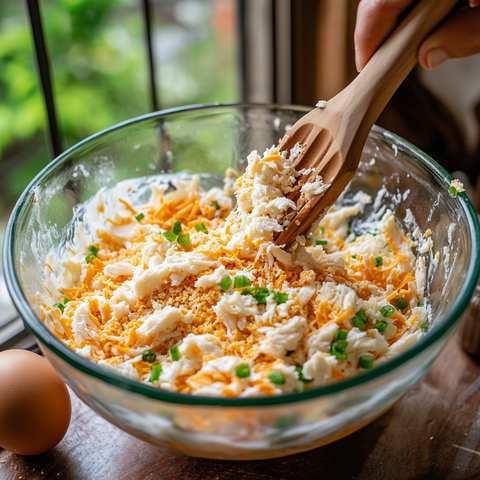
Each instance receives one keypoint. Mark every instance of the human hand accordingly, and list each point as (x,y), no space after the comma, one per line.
(457,37)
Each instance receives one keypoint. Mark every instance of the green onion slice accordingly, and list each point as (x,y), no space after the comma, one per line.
(301,377)
(201,228)
(321,230)
(93,249)
(225,284)
(90,257)
(156,371)
(373,234)
(241,281)
(420,305)
(276,377)
(175,354)
(184,240)
(338,348)
(360,319)
(366,361)
(321,242)
(341,334)
(60,306)
(242,371)
(140,216)
(387,311)
(65,300)
(401,304)
(354,256)
(308,238)
(378,261)
(280,297)
(256,291)
(177,228)
(172,237)
(453,191)
(149,356)
(216,205)
(381,326)
(424,324)
(259,293)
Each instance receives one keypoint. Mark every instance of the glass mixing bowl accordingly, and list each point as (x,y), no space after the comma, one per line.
(210,139)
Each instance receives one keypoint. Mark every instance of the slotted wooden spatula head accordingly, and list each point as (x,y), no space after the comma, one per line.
(333,137)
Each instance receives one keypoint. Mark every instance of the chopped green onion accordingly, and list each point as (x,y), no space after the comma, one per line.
(241,281)
(321,242)
(354,256)
(373,234)
(301,377)
(360,319)
(354,238)
(242,371)
(59,306)
(322,230)
(216,205)
(453,191)
(184,240)
(349,231)
(289,352)
(366,361)
(169,235)
(225,284)
(420,305)
(424,324)
(387,311)
(156,371)
(92,253)
(341,334)
(280,297)
(149,356)
(338,348)
(201,228)
(381,326)
(308,238)
(140,216)
(175,354)
(260,294)
(401,304)
(177,227)
(65,300)
(276,377)
(90,257)
(378,261)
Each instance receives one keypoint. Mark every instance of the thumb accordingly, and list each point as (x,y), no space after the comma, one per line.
(457,37)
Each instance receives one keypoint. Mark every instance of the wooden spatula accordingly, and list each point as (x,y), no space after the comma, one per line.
(334,136)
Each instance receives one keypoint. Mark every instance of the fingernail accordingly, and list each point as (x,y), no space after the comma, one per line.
(357,61)
(436,57)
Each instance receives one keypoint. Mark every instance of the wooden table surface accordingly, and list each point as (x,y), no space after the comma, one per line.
(432,433)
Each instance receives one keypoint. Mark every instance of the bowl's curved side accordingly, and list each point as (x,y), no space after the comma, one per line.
(252,427)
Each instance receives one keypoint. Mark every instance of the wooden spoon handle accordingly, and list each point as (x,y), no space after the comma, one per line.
(397,56)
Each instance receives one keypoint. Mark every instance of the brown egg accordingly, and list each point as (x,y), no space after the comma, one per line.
(35,406)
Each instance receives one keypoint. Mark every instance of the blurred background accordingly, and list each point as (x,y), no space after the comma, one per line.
(69,68)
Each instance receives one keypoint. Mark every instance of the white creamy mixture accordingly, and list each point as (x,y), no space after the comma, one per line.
(189,295)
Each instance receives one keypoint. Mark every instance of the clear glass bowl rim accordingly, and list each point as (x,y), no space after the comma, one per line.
(83,365)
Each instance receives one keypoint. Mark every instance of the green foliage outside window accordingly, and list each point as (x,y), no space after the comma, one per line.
(99,68)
